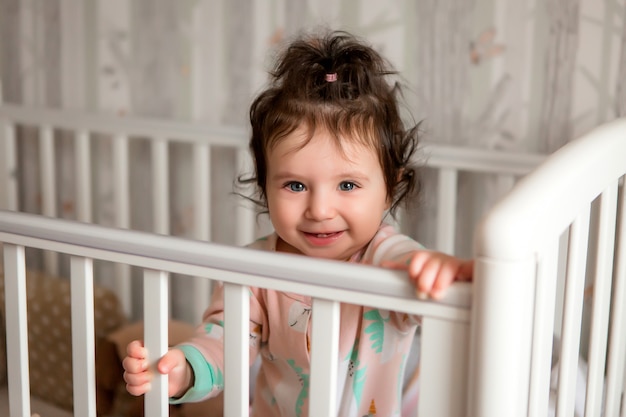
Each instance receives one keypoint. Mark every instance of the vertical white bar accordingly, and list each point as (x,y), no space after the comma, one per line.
(245,211)
(543,330)
(9,197)
(155,301)
(122,215)
(617,343)
(48,172)
(236,350)
(446,209)
(324,357)
(83,177)
(202,218)
(501,335)
(16,330)
(48,188)
(121,181)
(572,315)
(202,191)
(602,280)
(83,334)
(444,362)
(160,186)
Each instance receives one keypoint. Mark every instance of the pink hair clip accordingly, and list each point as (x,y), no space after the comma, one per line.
(331,78)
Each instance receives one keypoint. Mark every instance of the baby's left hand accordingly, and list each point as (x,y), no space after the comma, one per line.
(433,272)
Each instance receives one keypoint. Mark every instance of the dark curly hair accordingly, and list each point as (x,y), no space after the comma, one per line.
(361,105)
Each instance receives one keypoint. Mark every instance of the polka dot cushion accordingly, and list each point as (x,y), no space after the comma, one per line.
(49,333)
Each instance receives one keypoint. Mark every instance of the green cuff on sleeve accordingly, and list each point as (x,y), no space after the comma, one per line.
(203,376)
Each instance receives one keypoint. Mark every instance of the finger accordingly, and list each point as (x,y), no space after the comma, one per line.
(446,275)
(137,379)
(134,365)
(427,277)
(138,390)
(170,361)
(417,264)
(136,349)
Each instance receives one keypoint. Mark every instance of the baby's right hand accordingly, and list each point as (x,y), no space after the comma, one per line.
(138,375)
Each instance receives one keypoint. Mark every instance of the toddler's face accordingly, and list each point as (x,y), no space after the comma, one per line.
(324,202)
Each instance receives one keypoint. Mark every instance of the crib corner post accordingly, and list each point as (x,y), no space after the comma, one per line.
(501,337)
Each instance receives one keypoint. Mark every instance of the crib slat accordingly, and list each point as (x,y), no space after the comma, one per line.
(48,188)
(156,313)
(83,334)
(83,177)
(446,209)
(245,214)
(324,357)
(444,364)
(9,176)
(122,215)
(121,176)
(48,172)
(160,186)
(500,385)
(601,300)
(236,351)
(572,313)
(617,344)
(543,330)
(202,191)
(16,330)
(202,214)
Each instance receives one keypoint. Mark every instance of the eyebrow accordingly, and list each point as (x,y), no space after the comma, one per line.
(356,175)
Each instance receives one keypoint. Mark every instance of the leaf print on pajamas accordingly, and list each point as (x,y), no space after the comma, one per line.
(304,381)
(384,336)
(298,317)
(255,335)
(377,329)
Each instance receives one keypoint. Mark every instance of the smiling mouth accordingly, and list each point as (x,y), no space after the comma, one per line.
(323,235)
(323,239)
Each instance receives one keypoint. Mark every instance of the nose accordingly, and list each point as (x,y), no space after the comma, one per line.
(321,206)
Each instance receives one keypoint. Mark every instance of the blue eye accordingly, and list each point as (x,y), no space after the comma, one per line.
(295,186)
(347,186)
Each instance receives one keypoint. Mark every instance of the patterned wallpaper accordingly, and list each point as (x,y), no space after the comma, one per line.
(529,74)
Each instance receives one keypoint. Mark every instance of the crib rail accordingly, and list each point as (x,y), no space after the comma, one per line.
(86,130)
(329,283)
(121,133)
(572,208)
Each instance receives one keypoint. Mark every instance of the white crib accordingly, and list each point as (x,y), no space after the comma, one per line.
(485,349)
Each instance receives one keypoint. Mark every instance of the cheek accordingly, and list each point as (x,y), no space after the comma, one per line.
(280,210)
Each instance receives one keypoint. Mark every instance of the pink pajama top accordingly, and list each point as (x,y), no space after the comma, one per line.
(373,347)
